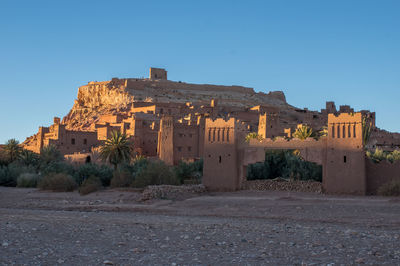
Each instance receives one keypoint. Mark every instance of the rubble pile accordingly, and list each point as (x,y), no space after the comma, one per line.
(284,185)
(171,192)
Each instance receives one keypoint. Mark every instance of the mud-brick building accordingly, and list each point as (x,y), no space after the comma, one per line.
(67,141)
(346,169)
(180,140)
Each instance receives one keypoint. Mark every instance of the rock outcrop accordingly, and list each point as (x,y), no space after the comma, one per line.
(115,96)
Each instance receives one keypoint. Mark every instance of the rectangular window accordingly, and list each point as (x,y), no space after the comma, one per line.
(333,131)
(73,141)
(344,131)
(338,132)
(179,148)
(84,141)
(344,159)
(189,148)
(348,131)
(354,130)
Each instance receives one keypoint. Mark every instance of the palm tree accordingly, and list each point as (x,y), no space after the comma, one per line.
(366,130)
(116,149)
(50,153)
(12,149)
(303,132)
(28,157)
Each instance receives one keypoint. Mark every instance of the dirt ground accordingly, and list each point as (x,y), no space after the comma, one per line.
(238,228)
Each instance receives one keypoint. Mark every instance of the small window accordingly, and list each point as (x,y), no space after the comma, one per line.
(191,135)
(179,148)
(180,135)
(73,141)
(333,131)
(344,131)
(220,159)
(189,148)
(84,141)
(344,159)
(338,132)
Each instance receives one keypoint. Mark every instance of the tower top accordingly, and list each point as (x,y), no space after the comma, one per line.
(158,73)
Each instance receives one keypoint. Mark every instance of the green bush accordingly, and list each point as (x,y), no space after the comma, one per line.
(58,182)
(122,178)
(155,173)
(89,185)
(56,167)
(189,171)
(9,174)
(286,164)
(28,180)
(84,171)
(390,189)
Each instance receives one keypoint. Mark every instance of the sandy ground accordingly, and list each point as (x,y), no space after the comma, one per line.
(240,228)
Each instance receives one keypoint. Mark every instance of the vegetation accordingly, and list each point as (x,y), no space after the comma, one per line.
(103,172)
(155,173)
(12,149)
(49,171)
(379,155)
(191,172)
(303,132)
(57,182)
(28,180)
(366,130)
(89,185)
(390,189)
(253,135)
(117,149)
(285,164)
(122,178)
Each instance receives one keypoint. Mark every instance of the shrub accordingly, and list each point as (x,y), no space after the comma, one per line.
(122,178)
(192,171)
(390,189)
(58,182)
(84,171)
(28,180)
(9,174)
(56,167)
(155,173)
(89,185)
(286,164)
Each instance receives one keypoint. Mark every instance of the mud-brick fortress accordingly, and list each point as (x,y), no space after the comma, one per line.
(176,121)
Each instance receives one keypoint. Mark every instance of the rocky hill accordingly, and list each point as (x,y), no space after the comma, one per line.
(116,96)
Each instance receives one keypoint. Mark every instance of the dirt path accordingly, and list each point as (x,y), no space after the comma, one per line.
(256,228)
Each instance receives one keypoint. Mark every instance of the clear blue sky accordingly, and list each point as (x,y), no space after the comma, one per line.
(345,51)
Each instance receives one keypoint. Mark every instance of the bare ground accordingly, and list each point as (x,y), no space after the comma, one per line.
(240,228)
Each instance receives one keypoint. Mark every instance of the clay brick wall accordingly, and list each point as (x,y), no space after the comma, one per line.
(344,170)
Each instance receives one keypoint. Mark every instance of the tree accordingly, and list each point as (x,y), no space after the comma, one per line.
(116,149)
(12,149)
(28,158)
(366,130)
(50,153)
(303,132)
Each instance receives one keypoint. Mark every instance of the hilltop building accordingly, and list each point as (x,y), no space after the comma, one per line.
(215,130)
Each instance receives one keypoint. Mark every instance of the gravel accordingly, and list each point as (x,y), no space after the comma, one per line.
(241,228)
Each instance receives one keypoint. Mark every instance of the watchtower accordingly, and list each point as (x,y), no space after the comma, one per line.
(344,169)
(158,73)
